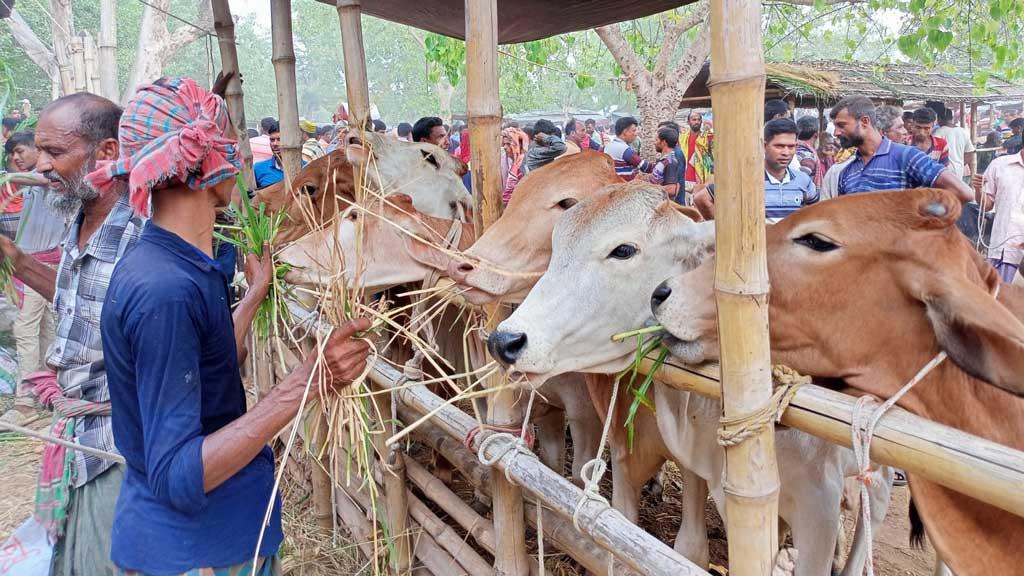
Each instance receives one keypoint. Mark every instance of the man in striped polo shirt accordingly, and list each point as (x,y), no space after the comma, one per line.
(628,161)
(881,164)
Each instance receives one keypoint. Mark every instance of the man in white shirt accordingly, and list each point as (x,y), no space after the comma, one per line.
(1003,186)
(961,149)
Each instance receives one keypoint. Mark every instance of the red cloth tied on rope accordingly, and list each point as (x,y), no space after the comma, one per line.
(54,486)
(171,130)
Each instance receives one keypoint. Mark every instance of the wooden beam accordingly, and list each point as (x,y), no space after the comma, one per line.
(989,472)
(356,85)
(737,84)
(224,25)
(396,502)
(483,111)
(284,73)
(608,528)
(974,120)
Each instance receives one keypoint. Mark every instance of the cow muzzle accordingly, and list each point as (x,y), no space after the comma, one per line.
(506,347)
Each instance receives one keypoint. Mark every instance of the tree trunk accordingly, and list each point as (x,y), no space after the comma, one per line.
(157,44)
(660,90)
(62,30)
(39,53)
(107,48)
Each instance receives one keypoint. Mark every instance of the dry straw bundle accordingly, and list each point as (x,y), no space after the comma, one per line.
(351,426)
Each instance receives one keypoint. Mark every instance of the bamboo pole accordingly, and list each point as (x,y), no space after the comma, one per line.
(80,74)
(396,502)
(356,85)
(989,472)
(107,48)
(737,85)
(483,111)
(284,73)
(224,25)
(481,529)
(605,526)
(556,528)
(974,120)
(62,30)
(91,70)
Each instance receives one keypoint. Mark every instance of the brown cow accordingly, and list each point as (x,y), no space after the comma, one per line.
(869,288)
(512,254)
(431,177)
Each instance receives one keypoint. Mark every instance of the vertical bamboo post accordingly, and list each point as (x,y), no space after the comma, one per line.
(356,85)
(107,48)
(974,120)
(741,281)
(62,30)
(224,25)
(483,110)
(822,123)
(396,502)
(80,73)
(91,67)
(284,73)
(963,116)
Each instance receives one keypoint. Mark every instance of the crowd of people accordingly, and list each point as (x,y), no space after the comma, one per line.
(126,301)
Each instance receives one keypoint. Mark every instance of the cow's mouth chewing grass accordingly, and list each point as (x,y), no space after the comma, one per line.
(649,341)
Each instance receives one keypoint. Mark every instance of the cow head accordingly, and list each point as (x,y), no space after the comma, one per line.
(385,243)
(509,257)
(424,172)
(867,288)
(608,253)
(313,196)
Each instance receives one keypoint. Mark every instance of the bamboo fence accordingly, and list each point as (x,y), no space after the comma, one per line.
(605,541)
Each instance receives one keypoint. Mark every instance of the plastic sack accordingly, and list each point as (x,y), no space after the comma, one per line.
(8,373)
(27,552)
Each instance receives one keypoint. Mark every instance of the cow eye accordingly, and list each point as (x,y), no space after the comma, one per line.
(567,203)
(308,189)
(429,157)
(352,215)
(816,243)
(623,252)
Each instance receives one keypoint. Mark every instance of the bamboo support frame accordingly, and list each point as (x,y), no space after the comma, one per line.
(224,25)
(483,111)
(989,472)
(91,70)
(107,49)
(737,85)
(287,98)
(605,526)
(481,529)
(80,74)
(396,502)
(356,84)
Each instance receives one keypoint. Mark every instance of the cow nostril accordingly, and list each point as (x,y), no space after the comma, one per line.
(660,294)
(465,268)
(506,346)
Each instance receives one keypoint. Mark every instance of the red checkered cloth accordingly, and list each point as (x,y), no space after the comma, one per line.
(170,130)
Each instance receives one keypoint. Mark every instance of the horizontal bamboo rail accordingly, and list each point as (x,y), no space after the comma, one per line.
(607,527)
(979,468)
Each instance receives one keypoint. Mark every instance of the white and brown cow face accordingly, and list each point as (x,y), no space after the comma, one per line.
(424,172)
(608,254)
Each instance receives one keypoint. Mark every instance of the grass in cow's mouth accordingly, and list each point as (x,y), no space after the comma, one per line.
(644,348)
(638,332)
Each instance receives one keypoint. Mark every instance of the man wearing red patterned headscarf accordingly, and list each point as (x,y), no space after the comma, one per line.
(199,475)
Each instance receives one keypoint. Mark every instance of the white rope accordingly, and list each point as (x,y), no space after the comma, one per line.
(592,472)
(863,426)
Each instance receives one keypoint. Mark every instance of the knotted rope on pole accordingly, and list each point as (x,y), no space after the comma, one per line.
(739,429)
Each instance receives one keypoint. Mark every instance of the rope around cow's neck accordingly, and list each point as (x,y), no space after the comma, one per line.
(863,432)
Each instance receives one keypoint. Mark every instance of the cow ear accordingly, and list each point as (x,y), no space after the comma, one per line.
(689,211)
(695,243)
(978,333)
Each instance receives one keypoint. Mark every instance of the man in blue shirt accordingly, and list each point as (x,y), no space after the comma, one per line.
(881,164)
(786,189)
(199,474)
(270,170)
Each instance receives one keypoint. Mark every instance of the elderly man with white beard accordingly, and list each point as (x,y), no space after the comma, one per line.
(76,491)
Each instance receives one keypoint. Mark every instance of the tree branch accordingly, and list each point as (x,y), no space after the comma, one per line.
(185,34)
(624,55)
(672,35)
(40,54)
(692,61)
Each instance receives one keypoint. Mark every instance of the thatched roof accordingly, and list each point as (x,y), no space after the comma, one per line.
(827,81)
(518,20)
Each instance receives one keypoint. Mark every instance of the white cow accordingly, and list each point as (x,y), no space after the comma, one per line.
(609,253)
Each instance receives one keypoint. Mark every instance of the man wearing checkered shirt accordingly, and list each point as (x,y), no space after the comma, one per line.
(76,492)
